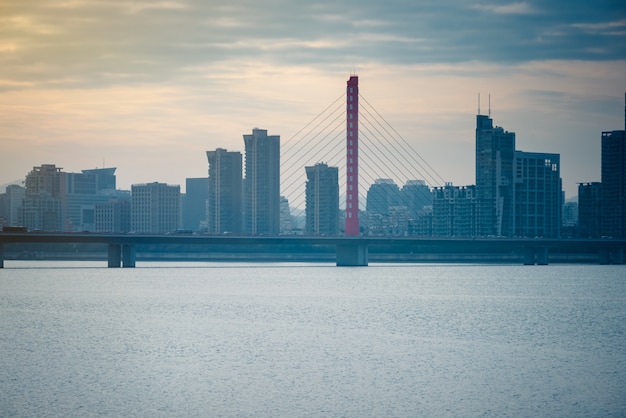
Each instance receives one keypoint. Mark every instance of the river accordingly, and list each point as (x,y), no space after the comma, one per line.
(294,339)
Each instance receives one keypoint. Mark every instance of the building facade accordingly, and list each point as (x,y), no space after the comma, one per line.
(538,195)
(43,208)
(613,220)
(113,216)
(495,153)
(589,209)
(155,208)
(194,209)
(225,200)
(322,200)
(262,183)
(11,204)
(454,211)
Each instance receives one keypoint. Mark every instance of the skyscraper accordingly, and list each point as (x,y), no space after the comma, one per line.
(155,208)
(262,183)
(454,211)
(589,209)
(382,196)
(224,203)
(416,195)
(613,221)
(322,200)
(538,197)
(495,154)
(43,207)
(195,203)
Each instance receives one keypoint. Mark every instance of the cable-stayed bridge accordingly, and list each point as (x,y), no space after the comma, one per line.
(353,136)
(379,152)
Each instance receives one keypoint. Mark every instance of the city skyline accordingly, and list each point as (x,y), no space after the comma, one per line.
(151,92)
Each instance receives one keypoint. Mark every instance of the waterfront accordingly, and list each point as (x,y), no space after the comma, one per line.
(283,339)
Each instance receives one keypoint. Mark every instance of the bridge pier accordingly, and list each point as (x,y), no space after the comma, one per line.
(538,256)
(351,255)
(128,255)
(115,255)
(611,256)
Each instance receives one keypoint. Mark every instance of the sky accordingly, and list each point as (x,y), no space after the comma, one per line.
(150,86)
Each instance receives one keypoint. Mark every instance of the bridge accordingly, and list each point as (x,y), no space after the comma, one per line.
(349,251)
(385,156)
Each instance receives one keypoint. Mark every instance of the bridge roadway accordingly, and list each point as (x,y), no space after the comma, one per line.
(350,251)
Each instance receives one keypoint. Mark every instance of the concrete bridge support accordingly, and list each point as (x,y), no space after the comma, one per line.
(537,256)
(352,255)
(115,255)
(128,255)
(611,256)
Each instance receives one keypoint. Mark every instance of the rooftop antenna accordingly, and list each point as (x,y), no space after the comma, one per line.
(489,104)
(479,103)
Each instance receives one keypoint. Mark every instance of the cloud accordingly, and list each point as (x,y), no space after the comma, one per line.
(110,42)
(612,28)
(517,8)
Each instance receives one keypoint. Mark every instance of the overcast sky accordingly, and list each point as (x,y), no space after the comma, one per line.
(148,87)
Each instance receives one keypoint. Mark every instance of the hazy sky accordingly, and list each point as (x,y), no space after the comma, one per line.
(149,86)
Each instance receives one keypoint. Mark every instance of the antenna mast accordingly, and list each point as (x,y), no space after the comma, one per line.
(479,103)
(489,104)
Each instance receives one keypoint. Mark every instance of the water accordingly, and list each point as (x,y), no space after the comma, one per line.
(211,339)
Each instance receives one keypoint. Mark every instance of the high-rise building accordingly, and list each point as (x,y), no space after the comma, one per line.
(416,196)
(195,203)
(454,211)
(224,203)
(262,183)
(589,209)
(81,192)
(613,220)
(43,209)
(383,195)
(286,219)
(155,208)
(495,154)
(104,177)
(538,194)
(113,216)
(322,200)
(12,203)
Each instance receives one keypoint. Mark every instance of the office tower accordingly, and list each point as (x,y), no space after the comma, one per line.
(495,153)
(155,208)
(42,209)
(113,216)
(613,221)
(322,200)
(81,192)
(195,203)
(104,177)
(589,209)
(454,211)
(538,195)
(12,203)
(416,196)
(286,220)
(224,203)
(383,195)
(262,183)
